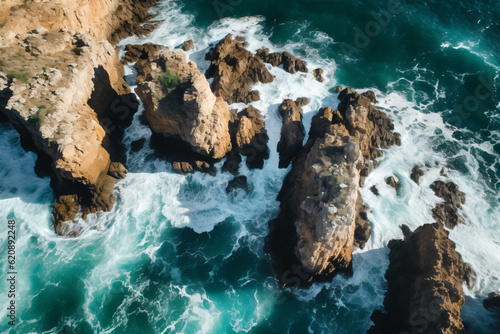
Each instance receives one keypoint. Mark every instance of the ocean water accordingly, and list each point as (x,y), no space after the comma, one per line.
(179,255)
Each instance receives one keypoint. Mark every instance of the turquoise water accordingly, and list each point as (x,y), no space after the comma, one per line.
(179,255)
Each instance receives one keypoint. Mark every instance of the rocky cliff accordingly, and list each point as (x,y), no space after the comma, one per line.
(313,236)
(178,102)
(62,87)
(425,279)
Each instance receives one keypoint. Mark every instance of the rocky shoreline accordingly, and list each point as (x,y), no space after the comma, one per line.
(62,87)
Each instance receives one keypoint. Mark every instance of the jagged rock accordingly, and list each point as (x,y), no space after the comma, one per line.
(274,58)
(235,70)
(302,101)
(292,132)
(251,137)
(179,104)
(374,190)
(313,236)
(238,182)
(65,209)
(182,167)
(416,174)
(363,227)
(393,182)
(149,52)
(137,145)
(447,213)
(117,170)
(291,64)
(318,74)
(425,279)
(188,45)
(339,88)
(371,96)
(74,104)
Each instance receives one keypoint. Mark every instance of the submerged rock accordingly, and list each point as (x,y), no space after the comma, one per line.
(425,278)
(313,236)
(493,301)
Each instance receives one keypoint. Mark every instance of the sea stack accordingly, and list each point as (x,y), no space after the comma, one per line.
(314,234)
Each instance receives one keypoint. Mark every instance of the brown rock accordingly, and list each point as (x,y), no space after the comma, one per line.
(182,167)
(292,64)
(425,279)
(393,182)
(235,70)
(292,132)
(447,213)
(251,137)
(339,88)
(65,209)
(179,104)
(188,45)
(318,74)
(117,170)
(320,197)
(416,174)
(302,101)
(274,58)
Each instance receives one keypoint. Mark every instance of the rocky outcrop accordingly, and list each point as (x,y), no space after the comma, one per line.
(416,174)
(313,236)
(292,132)
(65,94)
(447,213)
(249,138)
(392,182)
(425,279)
(290,63)
(180,107)
(235,70)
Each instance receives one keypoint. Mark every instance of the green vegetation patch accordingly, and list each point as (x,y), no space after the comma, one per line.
(37,117)
(21,75)
(169,80)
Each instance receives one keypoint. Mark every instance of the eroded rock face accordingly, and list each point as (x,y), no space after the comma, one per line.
(179,103)
(313,236)
(290,63)
(72,103)
(249,137)
(425,279)
(235,70)
(447,213)
(292,132)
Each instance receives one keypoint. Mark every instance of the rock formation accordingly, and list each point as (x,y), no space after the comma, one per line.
(63,91)
(179,105)
(292,132)
(313,236)
(416,174)
(392,182)
(425,279)
(447,213)
(235,70)
(249,138)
